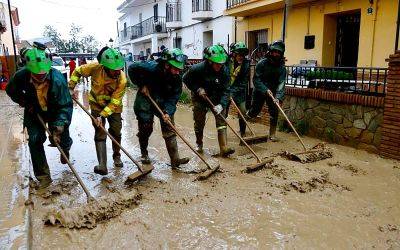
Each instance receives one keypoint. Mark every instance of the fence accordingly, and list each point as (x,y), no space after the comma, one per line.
(356,80)
(144,28)
(233,3)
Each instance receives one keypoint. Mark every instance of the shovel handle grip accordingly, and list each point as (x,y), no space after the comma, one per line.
(111,137)
(233,130)
(242,116)
(177,132)
(287,119)
(89,196)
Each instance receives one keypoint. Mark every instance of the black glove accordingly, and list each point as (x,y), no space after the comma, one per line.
(56,132)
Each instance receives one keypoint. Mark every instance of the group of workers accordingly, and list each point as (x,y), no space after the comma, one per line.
(42,90)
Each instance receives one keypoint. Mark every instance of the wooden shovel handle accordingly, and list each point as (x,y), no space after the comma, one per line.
(111,137)
(287,119)
(177,132)
(89,196)
(242,116)
(233,130)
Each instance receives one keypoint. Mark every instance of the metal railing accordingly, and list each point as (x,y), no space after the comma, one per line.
(174,12)
(233,3)
(149,26)
(201,5)
(359,80)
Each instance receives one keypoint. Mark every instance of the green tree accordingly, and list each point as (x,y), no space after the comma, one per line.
(55,36)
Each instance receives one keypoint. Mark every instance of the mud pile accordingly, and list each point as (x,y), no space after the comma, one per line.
(318,153)
(88,216)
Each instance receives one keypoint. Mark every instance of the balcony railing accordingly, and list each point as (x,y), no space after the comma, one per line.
(201,5)
(174,12)
(147,27)
(358,80)
(233,3)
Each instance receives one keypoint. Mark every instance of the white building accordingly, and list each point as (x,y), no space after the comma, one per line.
(192,25)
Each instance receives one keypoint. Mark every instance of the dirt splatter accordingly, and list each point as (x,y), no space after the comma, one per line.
(389,228)
(348,167)
(95,212)
(319,183)
(56,189)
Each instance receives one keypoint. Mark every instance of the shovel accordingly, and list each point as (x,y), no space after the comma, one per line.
(319,152)
(88,195)
(143,171)
(254,139)
(260,164)
(205,174)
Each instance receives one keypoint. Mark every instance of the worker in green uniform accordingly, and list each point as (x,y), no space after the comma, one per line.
(42,90)
(210,78)
(270,76)
(160,80)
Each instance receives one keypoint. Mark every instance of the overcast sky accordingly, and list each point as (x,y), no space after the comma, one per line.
(97,17)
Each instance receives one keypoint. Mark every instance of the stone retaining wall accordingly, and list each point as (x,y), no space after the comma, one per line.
(352,125)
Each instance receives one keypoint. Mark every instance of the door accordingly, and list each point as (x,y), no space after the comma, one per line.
(347,39)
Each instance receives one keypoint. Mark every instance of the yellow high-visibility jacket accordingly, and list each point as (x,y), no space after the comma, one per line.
(106,93)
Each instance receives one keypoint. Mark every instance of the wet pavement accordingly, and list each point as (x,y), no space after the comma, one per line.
(349,201)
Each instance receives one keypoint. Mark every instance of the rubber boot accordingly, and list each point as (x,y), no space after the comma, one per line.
(144,158)
(172,148)
(116,154)
(101,151)
(272,133)
(225,151)
(242,126)
(199,142)
(62,159)
(44,181)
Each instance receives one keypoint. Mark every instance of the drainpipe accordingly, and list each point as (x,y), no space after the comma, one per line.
(396,46)
(284,23)
(12,35)
(374,31)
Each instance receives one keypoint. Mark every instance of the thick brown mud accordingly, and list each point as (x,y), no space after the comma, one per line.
(348,201)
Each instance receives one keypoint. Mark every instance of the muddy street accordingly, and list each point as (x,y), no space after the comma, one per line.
(349,201)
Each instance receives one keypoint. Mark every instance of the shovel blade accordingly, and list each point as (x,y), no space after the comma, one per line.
(258,166)
(207,173)
(255,139)
(138,174)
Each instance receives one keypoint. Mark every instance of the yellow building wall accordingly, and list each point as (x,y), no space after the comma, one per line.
(377,31)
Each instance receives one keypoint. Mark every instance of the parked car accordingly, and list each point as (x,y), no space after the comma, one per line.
(58,63)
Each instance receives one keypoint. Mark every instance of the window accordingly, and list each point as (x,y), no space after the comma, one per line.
(125,31)
(177,42)
(155,12)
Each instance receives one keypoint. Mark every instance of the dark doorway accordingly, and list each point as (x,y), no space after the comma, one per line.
(347,39)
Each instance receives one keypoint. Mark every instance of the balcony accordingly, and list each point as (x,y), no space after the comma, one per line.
(174,15)
(201,10)
(243,8)
(142,30)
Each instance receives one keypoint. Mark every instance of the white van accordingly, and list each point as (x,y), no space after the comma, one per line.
(58,63)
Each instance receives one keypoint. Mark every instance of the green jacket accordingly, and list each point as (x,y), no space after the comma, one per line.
(164,88)
(59,101)
(239,81)
(269,76)
(215,84)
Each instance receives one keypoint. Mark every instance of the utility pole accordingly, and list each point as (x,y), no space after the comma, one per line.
(12,35)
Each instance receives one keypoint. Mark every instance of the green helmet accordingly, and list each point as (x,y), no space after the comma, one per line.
(174,57)
(278,45)
(37,61)
(111,58)
(215,54)
(239,48)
